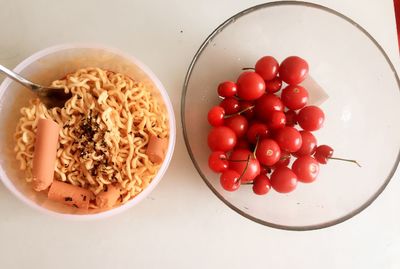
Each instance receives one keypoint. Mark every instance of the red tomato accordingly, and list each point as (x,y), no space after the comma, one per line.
(230,180)
(221,138)
(267,67)
(238,124)
(311,118)
(284,160)
(218,162)
(261,185)
(268,152)
(306,168)
(238,163)
(250,85)
(257,129)
(230,105)
(289,139)
(283,180)
(308,145)
(293,70)
(267,104)
(277,120)
(294,97)
(227,89)
(216,116)
(323,153)
(273,85)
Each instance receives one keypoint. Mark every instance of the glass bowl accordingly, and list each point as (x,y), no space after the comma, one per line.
(50,64)
(361,111)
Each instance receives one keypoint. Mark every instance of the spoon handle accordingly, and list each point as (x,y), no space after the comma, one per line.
(23,81)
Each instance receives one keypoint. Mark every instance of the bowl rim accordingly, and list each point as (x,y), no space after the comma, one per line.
(172,132)
(183,118)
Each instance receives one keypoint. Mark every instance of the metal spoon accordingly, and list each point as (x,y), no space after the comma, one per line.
(50,96)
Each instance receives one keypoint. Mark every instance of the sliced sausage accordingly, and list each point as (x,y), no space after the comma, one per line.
(44,157)
(156,149)
(70,195)
(108,197)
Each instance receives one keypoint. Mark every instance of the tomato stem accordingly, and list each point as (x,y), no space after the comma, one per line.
(230,160)
(245,168)
(248,68)
(255,148)
(238,113)
(345,160)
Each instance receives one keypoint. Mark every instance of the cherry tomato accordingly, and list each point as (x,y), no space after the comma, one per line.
(261,185)
(273,85)
(238,124)
(291,118)
(283,180)
(216,116)
(311,118)
(257,129)
(293,70)
(308,145)
(250,86)
(284,160)
(217,161)
(289,139)
(268,152)
(267,104)
(249,114)
(242,144)
(230,105)
(227,89)
(230,180)
(277,120)
(221,138)
(306,168)
(323,153)
(294,97)
(267,67)
(238,162)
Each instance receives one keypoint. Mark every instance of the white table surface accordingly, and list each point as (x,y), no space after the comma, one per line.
(182,224)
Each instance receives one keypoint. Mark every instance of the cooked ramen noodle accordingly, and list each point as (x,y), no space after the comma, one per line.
(105,130)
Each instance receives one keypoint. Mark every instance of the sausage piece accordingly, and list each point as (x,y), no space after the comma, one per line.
(108,197)
(44,156)
(69,194)
(156,149)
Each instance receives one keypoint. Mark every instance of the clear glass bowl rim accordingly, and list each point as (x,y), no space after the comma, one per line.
(204,45)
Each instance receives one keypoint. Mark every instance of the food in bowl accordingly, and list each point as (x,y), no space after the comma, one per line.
(254,134)
(102,148)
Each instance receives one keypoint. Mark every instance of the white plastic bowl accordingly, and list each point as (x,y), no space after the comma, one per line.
(44,67)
